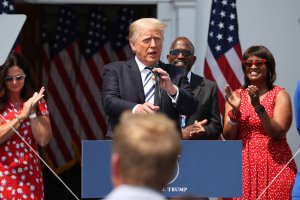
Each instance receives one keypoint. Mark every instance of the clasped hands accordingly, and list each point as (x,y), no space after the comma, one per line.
(194,130)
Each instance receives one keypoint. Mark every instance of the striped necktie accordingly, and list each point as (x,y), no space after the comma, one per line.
(149,86)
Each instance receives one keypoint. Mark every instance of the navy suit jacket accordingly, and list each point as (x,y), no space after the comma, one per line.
(123,89)
(205,91)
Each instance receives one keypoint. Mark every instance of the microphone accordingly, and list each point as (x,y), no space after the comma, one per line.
(156,74)
(157,81)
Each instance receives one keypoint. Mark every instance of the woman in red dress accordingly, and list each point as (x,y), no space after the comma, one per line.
(24,124)
(260,114)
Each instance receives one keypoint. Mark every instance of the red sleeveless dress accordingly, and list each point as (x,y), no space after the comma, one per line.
(262,157)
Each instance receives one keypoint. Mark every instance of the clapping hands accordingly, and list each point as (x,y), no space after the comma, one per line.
(31,104)
(233,99)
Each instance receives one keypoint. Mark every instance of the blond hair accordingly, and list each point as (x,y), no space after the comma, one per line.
(145,24)
(148,146)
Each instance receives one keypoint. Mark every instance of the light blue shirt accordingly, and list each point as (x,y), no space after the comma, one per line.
(129,192)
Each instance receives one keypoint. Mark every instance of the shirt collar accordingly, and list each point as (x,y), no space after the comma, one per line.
(189,75)
(140,64)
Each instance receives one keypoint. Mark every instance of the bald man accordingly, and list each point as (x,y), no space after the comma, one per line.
(205,123)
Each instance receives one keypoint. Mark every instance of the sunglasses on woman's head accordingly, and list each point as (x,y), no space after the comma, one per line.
(17,78)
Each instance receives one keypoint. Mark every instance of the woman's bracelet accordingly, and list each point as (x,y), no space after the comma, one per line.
(234,115)
(19,120)
(233,123)
(260,109)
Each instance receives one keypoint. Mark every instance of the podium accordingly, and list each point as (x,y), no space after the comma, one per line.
(205,169)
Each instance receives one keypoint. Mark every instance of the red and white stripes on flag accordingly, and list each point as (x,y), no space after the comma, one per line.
(73,76)
(96,53)
(61,97)
(223,55)
(59,152)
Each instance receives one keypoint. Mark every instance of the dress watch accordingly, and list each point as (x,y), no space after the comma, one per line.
(174,95)
(260,109)
(32,116)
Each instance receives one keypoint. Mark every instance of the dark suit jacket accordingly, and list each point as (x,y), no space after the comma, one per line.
(205,91)
(123,89)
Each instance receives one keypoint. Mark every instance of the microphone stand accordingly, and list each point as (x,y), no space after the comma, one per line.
(279,173)
(157,82)
(41,159)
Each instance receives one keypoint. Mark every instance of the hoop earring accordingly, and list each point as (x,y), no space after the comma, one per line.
(269,75)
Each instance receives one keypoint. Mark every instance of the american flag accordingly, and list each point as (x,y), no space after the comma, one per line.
(96,53)
(73,76)
(223,54)
(45,56)
(62,101)
(121,45)
(7,7)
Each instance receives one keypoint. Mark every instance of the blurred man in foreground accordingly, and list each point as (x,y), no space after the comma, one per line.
(145,152)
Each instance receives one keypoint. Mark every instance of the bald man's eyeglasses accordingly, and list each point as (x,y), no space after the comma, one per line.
(176,52)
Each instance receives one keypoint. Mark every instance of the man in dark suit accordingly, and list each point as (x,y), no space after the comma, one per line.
(125,84)
(205,123)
